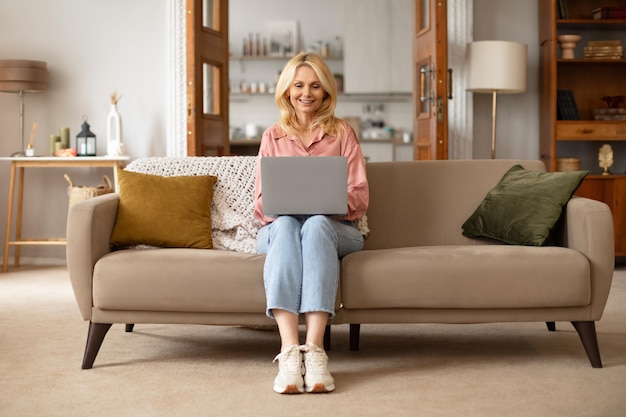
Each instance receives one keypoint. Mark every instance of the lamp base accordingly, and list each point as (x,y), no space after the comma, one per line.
(18,154)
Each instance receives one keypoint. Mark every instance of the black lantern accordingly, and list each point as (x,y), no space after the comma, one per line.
(85,141)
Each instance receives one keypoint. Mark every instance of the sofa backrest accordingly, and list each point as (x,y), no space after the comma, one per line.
(425,203)
(412,203)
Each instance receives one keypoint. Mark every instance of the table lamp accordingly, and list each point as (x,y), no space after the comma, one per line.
(496,67)
(22,76)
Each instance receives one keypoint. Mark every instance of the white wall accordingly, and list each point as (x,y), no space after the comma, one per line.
(98,46)
(92,48)
(517,121)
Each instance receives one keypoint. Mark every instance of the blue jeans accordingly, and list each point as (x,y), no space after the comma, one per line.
(301,268)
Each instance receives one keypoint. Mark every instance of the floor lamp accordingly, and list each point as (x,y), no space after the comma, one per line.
(496,67)
(22,76)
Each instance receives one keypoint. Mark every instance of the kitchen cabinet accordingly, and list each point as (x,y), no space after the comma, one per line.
(378,47)
(589,80)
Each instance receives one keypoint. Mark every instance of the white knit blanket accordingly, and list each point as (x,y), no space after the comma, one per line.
(232,209)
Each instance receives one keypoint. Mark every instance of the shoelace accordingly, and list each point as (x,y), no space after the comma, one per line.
(316,359)
(283,358)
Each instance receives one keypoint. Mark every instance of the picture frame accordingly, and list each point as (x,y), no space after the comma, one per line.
(282,37)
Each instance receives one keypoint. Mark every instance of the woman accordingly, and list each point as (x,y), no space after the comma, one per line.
(302,263)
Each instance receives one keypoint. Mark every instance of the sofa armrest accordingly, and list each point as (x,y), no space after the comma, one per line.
(89,227)
(588,228)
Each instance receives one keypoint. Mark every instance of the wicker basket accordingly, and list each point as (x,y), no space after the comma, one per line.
(567,164)
(79,193)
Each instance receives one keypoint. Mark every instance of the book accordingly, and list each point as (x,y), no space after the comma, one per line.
(611,42)
(563,9)
(603,54)
(566,105)
(609,49)
(610,117)
(604,48)
(603,57)
(610,111)
(609,13)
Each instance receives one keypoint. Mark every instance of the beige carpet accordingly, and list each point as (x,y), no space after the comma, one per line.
(401,370)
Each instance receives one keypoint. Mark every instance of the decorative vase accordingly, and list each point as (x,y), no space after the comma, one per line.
(115,144)
(568,44)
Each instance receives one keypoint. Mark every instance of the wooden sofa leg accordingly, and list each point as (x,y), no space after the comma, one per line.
(95,337)
(355,334)
(551,325)
(129,327)
(327,337)
(587,332)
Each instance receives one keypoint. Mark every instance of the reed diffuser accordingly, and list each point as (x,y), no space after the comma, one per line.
(30,151)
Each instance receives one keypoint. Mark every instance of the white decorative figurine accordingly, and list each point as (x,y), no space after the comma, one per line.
(115,143)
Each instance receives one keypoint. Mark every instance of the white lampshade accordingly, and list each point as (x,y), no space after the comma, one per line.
(496,66)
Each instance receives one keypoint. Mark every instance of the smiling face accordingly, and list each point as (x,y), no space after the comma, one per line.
(305,92)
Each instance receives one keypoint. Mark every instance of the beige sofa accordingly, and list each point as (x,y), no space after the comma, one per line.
(417,267)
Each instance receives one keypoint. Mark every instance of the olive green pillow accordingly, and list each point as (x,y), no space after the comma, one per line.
(161,211)
(523,207)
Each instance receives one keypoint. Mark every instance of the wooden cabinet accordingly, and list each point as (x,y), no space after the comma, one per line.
(378,47)
(589,79)
(612,190)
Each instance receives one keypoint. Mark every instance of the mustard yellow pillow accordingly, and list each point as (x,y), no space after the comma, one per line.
(172,212)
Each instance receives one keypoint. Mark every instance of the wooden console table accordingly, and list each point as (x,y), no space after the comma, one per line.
(19,164)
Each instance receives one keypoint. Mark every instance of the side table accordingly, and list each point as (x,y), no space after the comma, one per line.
(18,165)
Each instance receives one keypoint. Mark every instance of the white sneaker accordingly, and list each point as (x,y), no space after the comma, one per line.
(289,379)
(317,379)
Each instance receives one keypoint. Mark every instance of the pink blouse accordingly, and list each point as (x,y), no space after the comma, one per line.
(276,143)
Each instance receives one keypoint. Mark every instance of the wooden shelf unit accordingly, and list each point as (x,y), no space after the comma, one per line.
(589,80)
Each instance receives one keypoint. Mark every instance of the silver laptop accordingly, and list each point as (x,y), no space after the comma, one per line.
(304,185)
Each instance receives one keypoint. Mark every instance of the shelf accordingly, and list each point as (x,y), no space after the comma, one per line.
(351,97)
(274,58)
(604,177)
(590,140)
(245,142)
(388,141)
(589,80)
(589,61)
(590,24)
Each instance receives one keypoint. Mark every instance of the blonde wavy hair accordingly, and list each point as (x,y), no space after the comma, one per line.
(325,117)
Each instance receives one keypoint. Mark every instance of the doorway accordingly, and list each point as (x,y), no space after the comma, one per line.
(459,19)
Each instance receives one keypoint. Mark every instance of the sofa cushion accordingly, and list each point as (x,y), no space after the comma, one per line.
(164,211)
(470,276)
(179,279)
(523,207)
